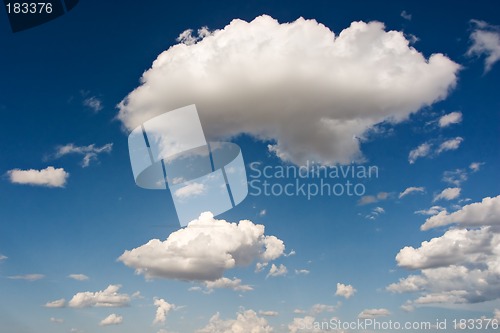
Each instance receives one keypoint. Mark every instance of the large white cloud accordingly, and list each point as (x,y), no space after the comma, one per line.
(460,266)
(486,212)
(204,250)
(109,297)
(246,321)
(298,84)
(456,246)
(49,177)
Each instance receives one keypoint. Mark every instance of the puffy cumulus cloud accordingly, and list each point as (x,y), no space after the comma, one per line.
(486,212)
(226,283)
(112,319)
(246,321)
(374,313)
(450,119)
(462,265)
(78,277)
(162,310)
(90,152)
(410,190)
(345,290)
(60,303)
(108,297)
(449,193)
(275,271)
(485,40)
(204,250)
(296,84)
(456,246)
(49,177)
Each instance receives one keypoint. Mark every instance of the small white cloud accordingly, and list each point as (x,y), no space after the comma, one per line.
(421,151)
(320,308)
(475,166)
(431,211)
(345,290)
(108,297)
(94,103)
(406,15)
(90,152)
(262,212)
(162,310)
(2,257)
(450,119)
(112,319)
(455,177)
(368,199)
(451,144)
(226,283)
(485,40)
(27,277)
(373,313)
(449,193)
(260,266)
(49,177)
(302,271)
(410,190)
(275,271)
(269,313)
(78,277)
(190,190)
(56,320)
(137,295)
(60,303)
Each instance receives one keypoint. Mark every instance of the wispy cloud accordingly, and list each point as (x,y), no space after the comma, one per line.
(27,277)
(410,190)
(485,40)
(89,153)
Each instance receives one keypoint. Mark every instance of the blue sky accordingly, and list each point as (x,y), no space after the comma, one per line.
(415,95)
